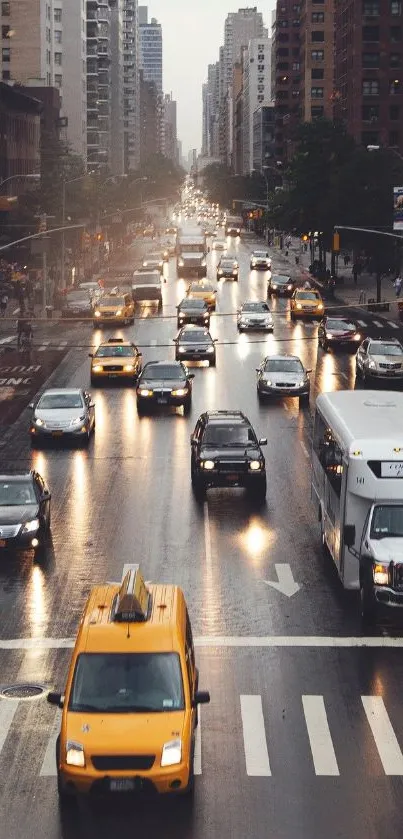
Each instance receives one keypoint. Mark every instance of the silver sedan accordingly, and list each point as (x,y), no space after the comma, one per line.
(61,413)
(379,360)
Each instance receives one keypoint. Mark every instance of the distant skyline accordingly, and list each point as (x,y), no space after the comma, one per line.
(192,34)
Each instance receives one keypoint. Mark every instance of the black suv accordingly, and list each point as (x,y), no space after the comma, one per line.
(164,383)
(226,452)
(24,513)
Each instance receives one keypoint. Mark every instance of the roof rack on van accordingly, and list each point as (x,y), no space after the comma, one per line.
(133,600)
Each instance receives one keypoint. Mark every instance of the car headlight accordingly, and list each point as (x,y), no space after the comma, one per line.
(97,314)
(372,365)
(381,575)
(299,305)
(329,335)
(357,337)
(77,420)
(39,421)
(253,261)
(203,263)
(301,383)
(118,313)
(180,391)
(145,263)
(143,391)
(181,262)
(255,465)
(206,316)
(274,285)
(128,368)
(171,753)
(320,305)
(75,754)
(97,368)
(268,380)
(182,349)
(220,272)
(210,349)
(31,526)
(207,464)
(289,288)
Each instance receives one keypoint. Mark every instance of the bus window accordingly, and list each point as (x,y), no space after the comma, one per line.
(329,453)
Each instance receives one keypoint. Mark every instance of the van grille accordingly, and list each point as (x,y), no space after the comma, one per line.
(105,763)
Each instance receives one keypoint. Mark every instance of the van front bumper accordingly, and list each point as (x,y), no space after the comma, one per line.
(161,781)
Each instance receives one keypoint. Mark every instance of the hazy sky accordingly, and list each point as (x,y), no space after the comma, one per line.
(192,32)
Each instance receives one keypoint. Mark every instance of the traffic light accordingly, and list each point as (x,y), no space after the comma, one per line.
(304,237)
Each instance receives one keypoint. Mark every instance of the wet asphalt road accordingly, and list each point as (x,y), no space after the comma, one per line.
(288,750)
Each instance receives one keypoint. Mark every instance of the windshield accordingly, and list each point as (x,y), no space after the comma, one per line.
(114,352)
(227,263)
(198,335)
(122,683)
(152,257)
(195,288)
(60,400)
(283,365)
(78,296)
(112,301)
(340,324)
(308,295)
(16,493)
(228,435)
(190,247)
(385,349)
(387,520)
(164,371)
(280,280)
(255,307)
(261,254)
(192,304)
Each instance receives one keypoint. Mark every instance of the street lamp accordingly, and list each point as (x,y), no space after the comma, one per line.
(386,148)
(33,176)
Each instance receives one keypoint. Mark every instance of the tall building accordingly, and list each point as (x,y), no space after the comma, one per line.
(102,52)
(256,87)
(263,137)
(286,48)
(368,70)
(150,48)
(44,44)
(149,120)
(211,106)
(316,60)
(170,147)
(131,86)
(20,125)
(239,28)
(116,164)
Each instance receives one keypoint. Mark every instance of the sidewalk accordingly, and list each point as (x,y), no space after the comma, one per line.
(345,292)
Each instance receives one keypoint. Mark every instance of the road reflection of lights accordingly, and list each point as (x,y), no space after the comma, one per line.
(38,614)
(102,417)
(326,378)
(243,346)
(180,290)
(39,463)
(129,418)
(256,539)
(271,345)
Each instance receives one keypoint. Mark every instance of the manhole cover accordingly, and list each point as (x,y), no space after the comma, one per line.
(23,692)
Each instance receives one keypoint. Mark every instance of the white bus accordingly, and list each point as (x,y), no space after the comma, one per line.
(357,487)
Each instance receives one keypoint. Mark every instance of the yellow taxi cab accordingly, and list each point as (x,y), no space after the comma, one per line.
(114,307)
(116,359)
(306,303)
(203,290)
(130,704)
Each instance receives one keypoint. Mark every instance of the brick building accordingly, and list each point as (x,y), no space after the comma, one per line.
(20,126)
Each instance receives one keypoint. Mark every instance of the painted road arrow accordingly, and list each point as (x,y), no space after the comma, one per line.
(286,583)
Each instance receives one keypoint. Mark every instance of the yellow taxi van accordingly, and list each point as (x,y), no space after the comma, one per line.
(130,704)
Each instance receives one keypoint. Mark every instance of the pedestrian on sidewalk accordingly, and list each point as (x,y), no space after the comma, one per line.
(3,304)
(346,259)
(355,273)
(398,285)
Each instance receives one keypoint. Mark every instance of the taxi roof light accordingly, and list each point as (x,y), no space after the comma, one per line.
(133,599)
(115,340)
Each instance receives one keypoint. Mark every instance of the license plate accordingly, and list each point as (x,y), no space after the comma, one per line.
(162,401)
(3,543)
(113,375)
(57,433)
(121,784)
(232,477)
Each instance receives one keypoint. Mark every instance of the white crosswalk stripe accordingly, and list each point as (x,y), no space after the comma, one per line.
(44,346)
(378,323)
(392,324)
(361,323)
(254,726)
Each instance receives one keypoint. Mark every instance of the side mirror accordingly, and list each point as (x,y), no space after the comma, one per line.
(46,496)
(191,375)
(201,697)
(263,441)
(91,405)
(90,355)
(308,371)
(215,340)
(257,369)
(192,438)
(349,535)
(31,405)
(55,699)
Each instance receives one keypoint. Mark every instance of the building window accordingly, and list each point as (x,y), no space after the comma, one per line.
(370,8)
(370,87)
(370,33)
(5,9)
(395,7)
(318,55)
(370,138)
(394,87)
(394,137)
(394,112)
(48,79)
(58,36)
(317,111)
(58,80)
(47,56)
(370,59)
(5,31)
(318,17)
(370,113)
(6,75)
(58,58)
(395,33)
(318,36)
(260,68)
(57,16)
(6,54)
(317,92)
(260,98)
(296,65)
(317,73)
(395,59)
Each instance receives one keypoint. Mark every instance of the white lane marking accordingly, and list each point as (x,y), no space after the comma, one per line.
(197,759)
(320,739)
(15,311)
(304,448)
(44,346)
(231,641)
(254,737)
(378,324)
(6,340)
(384,736)
(392,324)
(207,535)
(361,323)
(48,768)
(62,345)
(7,711)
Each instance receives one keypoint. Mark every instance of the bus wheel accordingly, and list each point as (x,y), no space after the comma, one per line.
(367,607)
